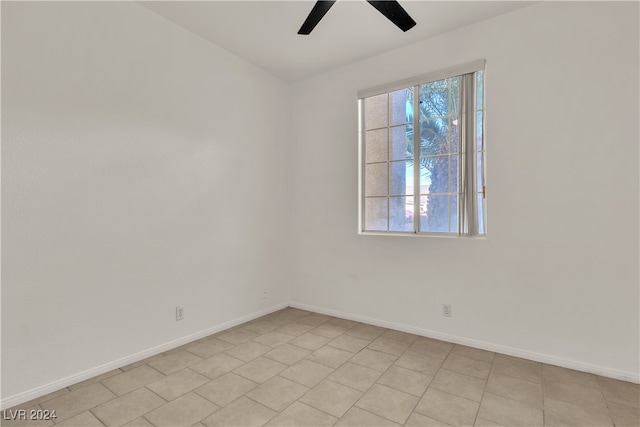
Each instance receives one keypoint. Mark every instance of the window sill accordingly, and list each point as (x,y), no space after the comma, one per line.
(409,234)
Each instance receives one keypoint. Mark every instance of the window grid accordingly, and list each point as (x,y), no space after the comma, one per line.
(453,195)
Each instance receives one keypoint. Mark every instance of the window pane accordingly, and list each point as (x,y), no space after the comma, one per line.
(401,178)
(480,90)
(401,108)
(401,214)
(377,146)
(480,214)
(375,214)
(454,95)
(425,180)
(453,169)
(376,179)
(438,168)
(434,99)
(376,111)
(480,172)
(434,135)
(453,138)
(401,142)
(479,130)
(454,214)
(437,218)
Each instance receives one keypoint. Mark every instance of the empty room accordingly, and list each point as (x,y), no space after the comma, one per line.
(300,213)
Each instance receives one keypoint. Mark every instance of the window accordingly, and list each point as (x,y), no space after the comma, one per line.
(422,154)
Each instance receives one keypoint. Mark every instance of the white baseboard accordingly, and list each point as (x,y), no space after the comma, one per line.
(34,393)
(525,354)
(90,373)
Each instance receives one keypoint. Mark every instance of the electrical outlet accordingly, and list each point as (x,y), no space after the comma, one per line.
(179,313)
(446,310)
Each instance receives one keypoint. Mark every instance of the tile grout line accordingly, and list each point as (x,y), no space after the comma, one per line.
(145,387)
(374,383)
(97,417)
(465,375)
(147,420)
(486,384)
(428,385)
(422,395)
(571,381)
(434,377)
(277,375)
(385,371)
(606,402)
(518,378)
(326,378)
(243,363)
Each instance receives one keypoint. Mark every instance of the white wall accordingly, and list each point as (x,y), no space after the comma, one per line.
(557,277)
(139,172)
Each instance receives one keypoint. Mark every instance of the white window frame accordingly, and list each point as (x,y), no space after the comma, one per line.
(468,216)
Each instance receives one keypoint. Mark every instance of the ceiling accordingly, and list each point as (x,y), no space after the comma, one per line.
(265,32)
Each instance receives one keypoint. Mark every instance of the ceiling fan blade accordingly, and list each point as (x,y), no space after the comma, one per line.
(319,10)
(395,13)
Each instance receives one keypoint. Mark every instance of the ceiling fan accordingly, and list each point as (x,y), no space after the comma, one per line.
(391,9)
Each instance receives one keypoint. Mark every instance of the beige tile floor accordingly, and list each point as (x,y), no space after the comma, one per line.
(296,368)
